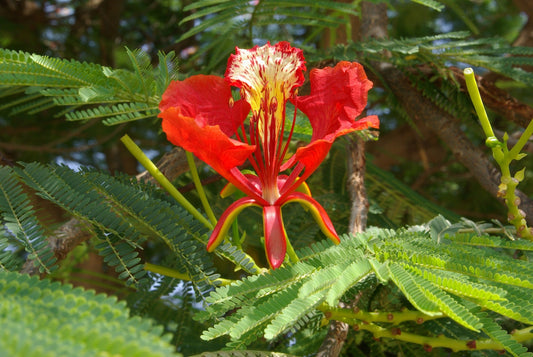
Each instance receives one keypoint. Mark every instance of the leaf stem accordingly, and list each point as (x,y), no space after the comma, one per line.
(163,181)
(176,274)
(515,150)
(363,320)
(200,188)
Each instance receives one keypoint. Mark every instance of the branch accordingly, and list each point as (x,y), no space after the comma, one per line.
(373,25)
(63,241)
(447,127)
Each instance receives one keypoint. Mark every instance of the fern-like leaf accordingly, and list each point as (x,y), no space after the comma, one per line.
(39,316)
(496,333)
(20,219)
(87,90)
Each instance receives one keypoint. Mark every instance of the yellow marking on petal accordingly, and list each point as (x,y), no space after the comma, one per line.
(304,188)
(267,75)
(226,224)
(318,218)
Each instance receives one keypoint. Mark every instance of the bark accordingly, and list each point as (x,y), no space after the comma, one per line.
(373,24)
(64,240)
(356,185)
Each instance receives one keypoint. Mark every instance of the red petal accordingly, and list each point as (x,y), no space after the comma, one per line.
(338,96)
(318,212)
(200,116)
(225,221)
(275,236)
(208,100)
(209,143)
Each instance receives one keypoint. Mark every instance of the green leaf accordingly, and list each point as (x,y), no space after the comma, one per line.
(39,318)
(20,219)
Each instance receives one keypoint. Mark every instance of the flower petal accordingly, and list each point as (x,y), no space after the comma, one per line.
(338,96)
(199,115)
(208,100)
(266,70)
(208,143)
(318,212)
(225,221)
(275,236)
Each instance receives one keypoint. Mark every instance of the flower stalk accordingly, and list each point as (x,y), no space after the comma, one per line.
(200,188)
(503,157)
(162,180)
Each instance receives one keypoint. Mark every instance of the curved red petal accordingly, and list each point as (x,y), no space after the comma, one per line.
(208,100)
(225,221)
(208,143)
(275,236)
(318,212)
(338,96)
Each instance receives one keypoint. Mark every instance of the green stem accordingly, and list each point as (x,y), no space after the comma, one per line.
(528,132)
(473,90)
(235,237)
(176,274)
(352,316)
(290,251)
(364,320)
(503,158)
(200,188)
(163,181)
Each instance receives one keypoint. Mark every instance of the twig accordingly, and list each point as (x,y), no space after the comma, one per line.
(447,127)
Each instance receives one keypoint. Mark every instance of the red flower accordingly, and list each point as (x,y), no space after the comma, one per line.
(200,115)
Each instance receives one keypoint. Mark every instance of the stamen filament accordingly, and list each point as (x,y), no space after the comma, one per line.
(292,181)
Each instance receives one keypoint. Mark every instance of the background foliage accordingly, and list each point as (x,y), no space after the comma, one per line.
(77,75)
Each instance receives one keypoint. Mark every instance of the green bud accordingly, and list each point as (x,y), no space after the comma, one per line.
(492,142)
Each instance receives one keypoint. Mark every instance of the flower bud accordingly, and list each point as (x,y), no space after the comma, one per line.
(492,142)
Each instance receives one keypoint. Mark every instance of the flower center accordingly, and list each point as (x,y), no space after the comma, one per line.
(267,77)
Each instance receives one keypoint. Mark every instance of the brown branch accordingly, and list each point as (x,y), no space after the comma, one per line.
(373,25)
(356,185)
(63,241)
